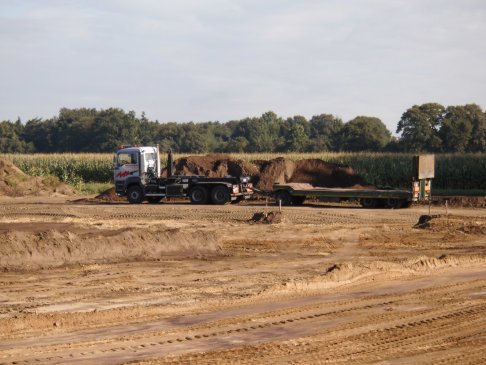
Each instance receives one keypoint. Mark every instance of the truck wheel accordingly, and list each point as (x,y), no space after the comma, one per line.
(220,195)
(154,199)
(284,197)
(368,203)
(198,195)
(135,194)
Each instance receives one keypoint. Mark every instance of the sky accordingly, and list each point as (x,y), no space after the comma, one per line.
(221,60)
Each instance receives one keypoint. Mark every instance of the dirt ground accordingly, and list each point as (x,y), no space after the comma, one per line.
(113,283)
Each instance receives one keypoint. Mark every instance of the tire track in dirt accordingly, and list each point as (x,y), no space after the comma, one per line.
(186,212)
(294,322)
(427,307)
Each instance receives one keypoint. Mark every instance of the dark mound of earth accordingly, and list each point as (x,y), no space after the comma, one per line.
(265,173)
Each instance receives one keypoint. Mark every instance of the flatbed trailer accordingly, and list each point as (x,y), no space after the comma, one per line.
(297,193)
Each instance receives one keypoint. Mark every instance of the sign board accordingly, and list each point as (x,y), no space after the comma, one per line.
(424,167)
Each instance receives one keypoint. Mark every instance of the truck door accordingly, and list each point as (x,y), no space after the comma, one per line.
(126,165)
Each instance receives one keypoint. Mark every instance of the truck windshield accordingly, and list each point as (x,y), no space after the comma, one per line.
(127,159)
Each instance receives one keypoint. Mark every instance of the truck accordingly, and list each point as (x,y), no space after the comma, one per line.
(137,175)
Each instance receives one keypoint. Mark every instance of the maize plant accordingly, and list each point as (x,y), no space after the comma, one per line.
(452,171)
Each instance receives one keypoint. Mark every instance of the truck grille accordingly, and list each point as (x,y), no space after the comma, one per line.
(120,187)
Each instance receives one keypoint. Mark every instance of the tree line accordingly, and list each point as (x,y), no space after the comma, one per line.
(429,127)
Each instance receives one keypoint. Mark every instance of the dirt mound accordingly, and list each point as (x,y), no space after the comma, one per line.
(13,182)
(321,173)
(278,170)
(266,218)
(110,195)
(461,201)
(452,223)
(34,246)
(265,173)
(213,165)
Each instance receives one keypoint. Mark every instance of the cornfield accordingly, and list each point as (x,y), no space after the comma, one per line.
(452,171)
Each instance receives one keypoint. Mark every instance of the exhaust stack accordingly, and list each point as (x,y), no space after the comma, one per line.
(169,163)
(157,161)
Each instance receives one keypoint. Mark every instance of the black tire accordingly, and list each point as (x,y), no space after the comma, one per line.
(135,194)
(298,200)
(154,199)
(406,203)
(198,195)
(220,195)
(368,203)
(283,196)
(392,203)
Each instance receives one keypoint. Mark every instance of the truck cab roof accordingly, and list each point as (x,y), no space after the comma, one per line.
(142,149)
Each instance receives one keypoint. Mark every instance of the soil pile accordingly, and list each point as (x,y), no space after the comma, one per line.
(278,170)
(213,165)
(34,246)
(461,201)
(452,223)
(265,173)
(110,195)
(13,182)
(266,218)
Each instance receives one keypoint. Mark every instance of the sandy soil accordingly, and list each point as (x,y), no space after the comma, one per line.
(182,284)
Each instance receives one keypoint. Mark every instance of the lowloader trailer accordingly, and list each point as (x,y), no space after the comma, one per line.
(297,193)
(424,168)
(137,175)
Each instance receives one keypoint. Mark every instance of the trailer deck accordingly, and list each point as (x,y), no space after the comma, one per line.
(296,193)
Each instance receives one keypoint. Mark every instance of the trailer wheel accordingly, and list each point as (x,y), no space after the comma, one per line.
(406,203)
(284,197)
(220,195)
(135,194)
(154,199)
(298,200)
(198,195)
(368,203)
(393,203)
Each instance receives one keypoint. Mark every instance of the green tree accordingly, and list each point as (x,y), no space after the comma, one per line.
(193,140)
(324,132)
(238,144)
(112,127)
(74,130)
(364,134)
(40,134)
(297,139)
(10,138)
(419,127)
(263,134)
(477,142)
(455,130)
(294,134)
